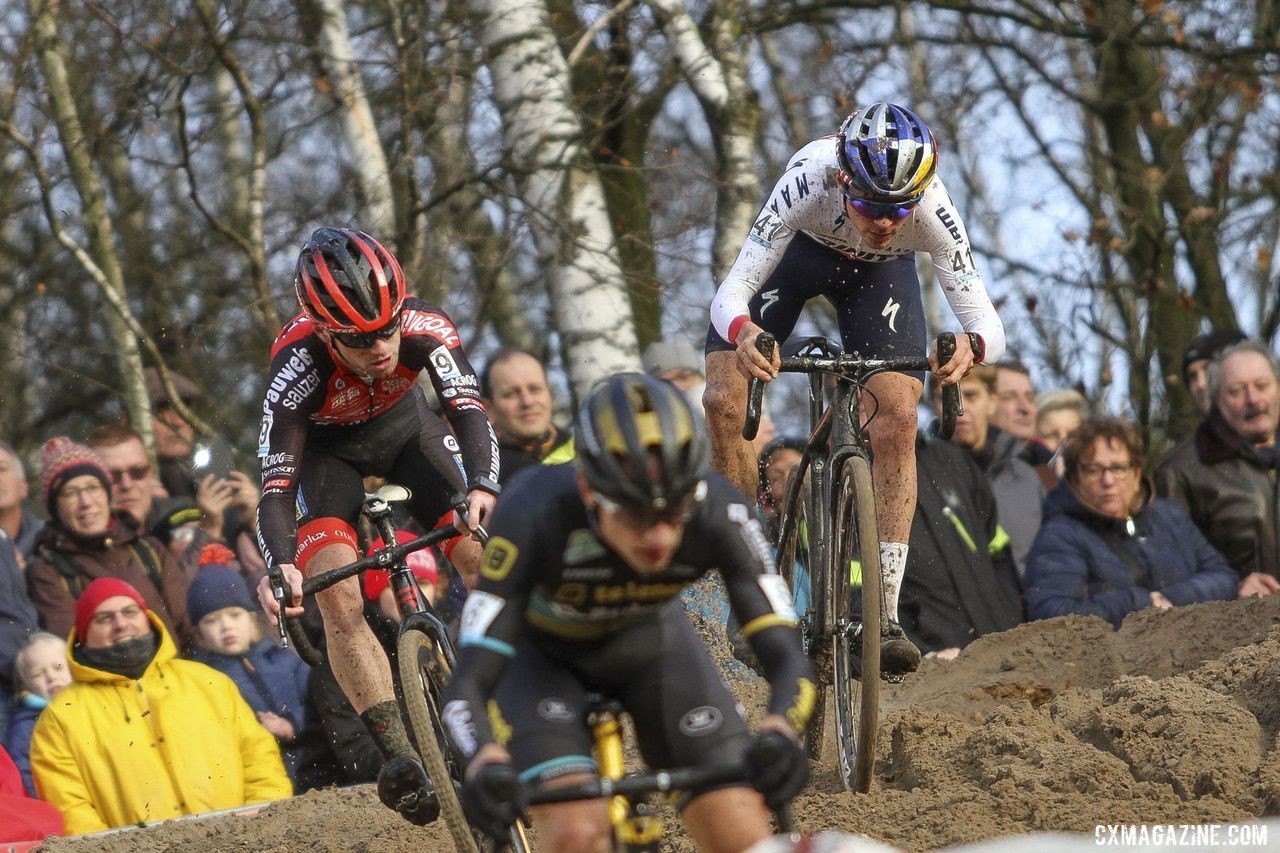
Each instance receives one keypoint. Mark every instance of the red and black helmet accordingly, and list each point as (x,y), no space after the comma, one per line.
(349,282)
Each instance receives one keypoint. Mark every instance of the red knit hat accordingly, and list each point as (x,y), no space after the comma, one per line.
(96,593)
(61,460)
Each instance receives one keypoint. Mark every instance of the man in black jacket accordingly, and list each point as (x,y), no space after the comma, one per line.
(960,581)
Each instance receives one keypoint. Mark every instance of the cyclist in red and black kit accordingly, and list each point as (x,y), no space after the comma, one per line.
(342,403)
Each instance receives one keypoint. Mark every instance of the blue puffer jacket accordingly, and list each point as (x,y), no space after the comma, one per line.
(1075,564)
(18,742)
(270,679)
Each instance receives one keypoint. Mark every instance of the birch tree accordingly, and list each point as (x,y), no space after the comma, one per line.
(717,73)
(564,201)
(333,51)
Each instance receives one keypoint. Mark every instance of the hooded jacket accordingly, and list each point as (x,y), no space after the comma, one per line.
(1229,492)
(110,751)
(1088,563)
(116,555)
(960,581)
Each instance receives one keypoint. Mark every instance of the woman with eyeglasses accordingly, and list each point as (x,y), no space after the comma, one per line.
(845,222)
(1108,546)
(342,403)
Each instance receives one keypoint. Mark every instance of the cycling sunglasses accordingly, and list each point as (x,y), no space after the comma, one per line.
(364,340)
(880,210)
(640,518)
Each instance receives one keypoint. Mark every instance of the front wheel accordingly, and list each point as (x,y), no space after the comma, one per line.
(424,671)
(856,645)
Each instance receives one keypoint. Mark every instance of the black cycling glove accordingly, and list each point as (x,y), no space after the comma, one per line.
(777,767)
(494,799)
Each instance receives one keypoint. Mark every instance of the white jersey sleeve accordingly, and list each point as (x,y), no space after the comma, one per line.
(807,198)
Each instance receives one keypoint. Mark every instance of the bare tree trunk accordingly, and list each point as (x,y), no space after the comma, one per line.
(566,204)
(733,114)
(369,159)
(97,218)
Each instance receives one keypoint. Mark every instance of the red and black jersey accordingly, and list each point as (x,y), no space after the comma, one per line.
(309,387)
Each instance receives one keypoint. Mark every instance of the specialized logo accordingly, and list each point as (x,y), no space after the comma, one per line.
(701,721)
(555,710)
(891,311)
(499,556)
(767,298)
(582,546)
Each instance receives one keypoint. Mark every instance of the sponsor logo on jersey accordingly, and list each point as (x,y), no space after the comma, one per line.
(701,721)
(891,311)
(944,216)
(299,366)
(279,484)
(582,546)
(273,459)
(424,322)
(498,558)
(555,710)
(450,443)
(587,574)
(767,298)
(312,539)
(752,534)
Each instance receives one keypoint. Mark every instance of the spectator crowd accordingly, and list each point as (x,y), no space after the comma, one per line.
(126,576)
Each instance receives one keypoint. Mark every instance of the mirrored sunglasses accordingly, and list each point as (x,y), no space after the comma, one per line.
(880,210)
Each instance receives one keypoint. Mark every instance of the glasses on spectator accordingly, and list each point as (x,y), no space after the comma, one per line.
(364,340)
(91,490)
(1094,471)
(878,209)
(136,473)
(105,618)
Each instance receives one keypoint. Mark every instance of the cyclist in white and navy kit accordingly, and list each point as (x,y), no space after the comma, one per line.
(845,221)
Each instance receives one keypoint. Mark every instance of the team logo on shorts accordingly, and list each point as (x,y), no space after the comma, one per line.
(701,721)
(555,710)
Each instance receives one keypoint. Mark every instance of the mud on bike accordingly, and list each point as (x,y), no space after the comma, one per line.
(425,658)
(828,526)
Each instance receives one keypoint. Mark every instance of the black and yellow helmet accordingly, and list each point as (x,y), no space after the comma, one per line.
(640,443)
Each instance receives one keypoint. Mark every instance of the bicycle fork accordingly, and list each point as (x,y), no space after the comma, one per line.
(634,830)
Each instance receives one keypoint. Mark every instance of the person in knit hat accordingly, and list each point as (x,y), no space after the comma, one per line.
(272,680)
(84,540)
(179,737)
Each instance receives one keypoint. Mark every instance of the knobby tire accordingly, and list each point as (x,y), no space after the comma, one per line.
(857,690)
(423,675)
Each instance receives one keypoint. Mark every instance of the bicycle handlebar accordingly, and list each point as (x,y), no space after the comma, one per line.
(384,558)
(857,368)
(663,781)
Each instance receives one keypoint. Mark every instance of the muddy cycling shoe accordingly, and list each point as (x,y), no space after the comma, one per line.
(898,655)
(403,785)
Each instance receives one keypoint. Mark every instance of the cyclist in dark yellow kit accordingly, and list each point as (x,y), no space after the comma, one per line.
(579,592)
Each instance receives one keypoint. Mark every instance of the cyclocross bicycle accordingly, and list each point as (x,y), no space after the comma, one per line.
(828,525)
(425,659)
(637,826)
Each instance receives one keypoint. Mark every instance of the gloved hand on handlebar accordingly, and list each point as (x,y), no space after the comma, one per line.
(777,767)
(494,798)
